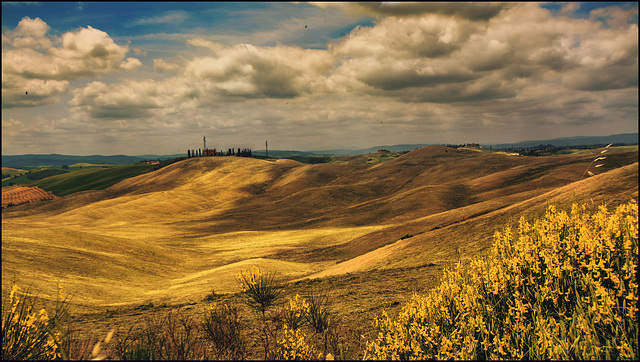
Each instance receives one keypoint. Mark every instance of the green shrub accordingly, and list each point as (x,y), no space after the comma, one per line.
(48,172)
(260,290)
(318,312)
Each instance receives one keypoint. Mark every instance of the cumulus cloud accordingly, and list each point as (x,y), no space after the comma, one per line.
(30,33)
(248,71)
(569,8)
(33,92)
(130,64)
(428,69)
(160,65)
(31,58)
(614,16)
(117,101)
(442,59)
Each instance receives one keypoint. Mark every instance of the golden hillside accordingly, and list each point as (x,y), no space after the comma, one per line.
(174,234)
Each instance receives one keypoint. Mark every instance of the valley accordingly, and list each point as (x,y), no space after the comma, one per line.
(171,236)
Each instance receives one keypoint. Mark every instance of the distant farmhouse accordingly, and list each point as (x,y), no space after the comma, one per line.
(244,152)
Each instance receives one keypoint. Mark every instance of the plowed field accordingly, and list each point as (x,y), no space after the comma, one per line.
(10,169)
(24,194)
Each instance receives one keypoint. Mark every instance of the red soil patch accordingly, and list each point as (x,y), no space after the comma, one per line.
(24,194)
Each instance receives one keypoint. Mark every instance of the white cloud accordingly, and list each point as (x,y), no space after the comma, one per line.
(130,64)
(422,77)
(118,101)
(30,33)
(213,46)
(429,57)
(614,16)
(569,8)
(160,66)
(11,123)
(139,52)
(248,71)
(172,17)
(32,59)
(32,92)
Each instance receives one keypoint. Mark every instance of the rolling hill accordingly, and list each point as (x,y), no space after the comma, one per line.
(173,234)
(38,160)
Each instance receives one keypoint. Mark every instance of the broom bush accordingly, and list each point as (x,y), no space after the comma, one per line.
(562,287)
(27,334)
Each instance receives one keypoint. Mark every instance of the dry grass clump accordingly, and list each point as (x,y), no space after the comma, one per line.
(223,326)
(562,287)
(172,336)
(598,158)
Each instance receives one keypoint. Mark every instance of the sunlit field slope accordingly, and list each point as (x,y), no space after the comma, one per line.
(173,234)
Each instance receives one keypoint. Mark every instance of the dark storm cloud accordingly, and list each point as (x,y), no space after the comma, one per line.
(478,11)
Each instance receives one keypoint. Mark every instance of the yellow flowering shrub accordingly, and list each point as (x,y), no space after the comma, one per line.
(27,334)
(296,311)
(562,287)
(292,342)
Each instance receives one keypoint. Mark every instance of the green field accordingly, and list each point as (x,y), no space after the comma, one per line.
(89,178)
(369,158)
(78,178)
(19,177)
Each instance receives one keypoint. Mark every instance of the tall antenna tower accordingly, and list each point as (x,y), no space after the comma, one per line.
(204,138)
(266,147)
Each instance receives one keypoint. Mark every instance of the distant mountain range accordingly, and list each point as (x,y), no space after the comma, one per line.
(33,161)
(339,152)
(626,138)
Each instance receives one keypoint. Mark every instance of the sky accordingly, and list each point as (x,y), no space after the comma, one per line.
(141,78)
